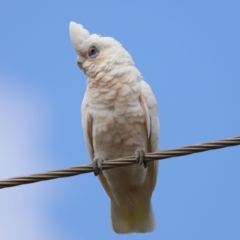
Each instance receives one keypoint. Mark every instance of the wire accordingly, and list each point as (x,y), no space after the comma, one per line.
(72,171)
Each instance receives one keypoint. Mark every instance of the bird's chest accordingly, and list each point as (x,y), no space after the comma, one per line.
(120,124)
(118,117)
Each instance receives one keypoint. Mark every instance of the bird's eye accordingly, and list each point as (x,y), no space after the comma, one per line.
(93,52)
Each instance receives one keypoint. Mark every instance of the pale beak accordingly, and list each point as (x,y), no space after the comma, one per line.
(80,61)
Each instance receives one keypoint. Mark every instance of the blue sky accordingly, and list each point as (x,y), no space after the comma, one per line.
(188,51)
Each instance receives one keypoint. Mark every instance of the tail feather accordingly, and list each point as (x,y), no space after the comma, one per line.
(141,220)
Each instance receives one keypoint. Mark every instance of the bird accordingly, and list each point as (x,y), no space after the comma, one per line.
(119,118)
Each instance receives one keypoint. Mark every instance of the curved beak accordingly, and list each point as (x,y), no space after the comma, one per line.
(80,60)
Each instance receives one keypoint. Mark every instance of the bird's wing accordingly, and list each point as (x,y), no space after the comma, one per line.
(152,120)
(149,105)
(87,124)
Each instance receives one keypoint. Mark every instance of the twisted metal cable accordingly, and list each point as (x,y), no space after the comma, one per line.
(72,171)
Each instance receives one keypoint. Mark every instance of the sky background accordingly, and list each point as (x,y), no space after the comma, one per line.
(188,51)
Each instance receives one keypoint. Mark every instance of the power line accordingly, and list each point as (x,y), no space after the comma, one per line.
(72,171)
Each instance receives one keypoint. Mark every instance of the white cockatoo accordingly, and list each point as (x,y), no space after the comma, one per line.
(119,118)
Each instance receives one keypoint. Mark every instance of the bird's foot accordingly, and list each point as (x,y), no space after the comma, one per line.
(139,154)
(97,165)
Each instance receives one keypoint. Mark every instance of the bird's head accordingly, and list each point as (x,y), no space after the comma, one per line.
(96,53)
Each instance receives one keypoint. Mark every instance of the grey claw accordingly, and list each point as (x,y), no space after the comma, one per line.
(97,165)
(145,164)
(140,155)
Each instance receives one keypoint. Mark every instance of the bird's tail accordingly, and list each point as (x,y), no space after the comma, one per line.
(141,220)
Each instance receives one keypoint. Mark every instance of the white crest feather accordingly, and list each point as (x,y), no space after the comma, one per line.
(78,34)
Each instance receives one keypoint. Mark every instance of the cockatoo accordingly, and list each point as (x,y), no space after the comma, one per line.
(119,118)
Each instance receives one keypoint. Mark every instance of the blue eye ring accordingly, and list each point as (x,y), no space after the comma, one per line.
(93,52)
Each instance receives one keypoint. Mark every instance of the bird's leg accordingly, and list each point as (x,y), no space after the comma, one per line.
(139,154)
(97,165)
